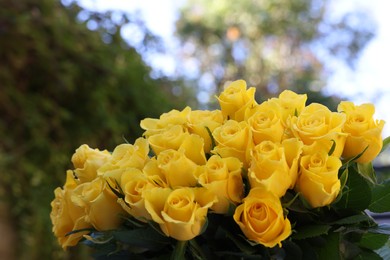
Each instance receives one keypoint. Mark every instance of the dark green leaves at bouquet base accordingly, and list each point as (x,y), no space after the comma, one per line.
(310,231)
(373,241)
(356,194)
(146,238)
(380,201)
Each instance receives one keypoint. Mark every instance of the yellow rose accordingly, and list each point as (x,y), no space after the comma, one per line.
(100,204)
(155,174)
(179,171)
(265,123)
(235,99)
(317,123)
(318,179)
(261,219)
(176,138)
(198,120)
(181,213)
(174,117)
(223,177)
(169,138)
(125,156)
(274,166)
(67,216)
(87,161)
(363,131)
(133,183)
(234,139)
(290,104)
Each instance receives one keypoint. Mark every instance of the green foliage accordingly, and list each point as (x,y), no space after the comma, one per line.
(273,44)
(342,230)
(62,86)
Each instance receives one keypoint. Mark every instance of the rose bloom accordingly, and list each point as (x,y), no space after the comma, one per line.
(174,117)
(177,138)
(127,156)
(317,123)
(265,123)
(181,213)
(364,132)
(66,216)
(223,177)
(201,120)
(87,161)
(100,204)
(179,171)
(290,104)
(154,174)
(261,218)
(274,166)
(234,139)
(318,180)
(235,99)
(133,183)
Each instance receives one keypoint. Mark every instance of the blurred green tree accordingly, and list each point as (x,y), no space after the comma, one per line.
(272,44)
(62,85)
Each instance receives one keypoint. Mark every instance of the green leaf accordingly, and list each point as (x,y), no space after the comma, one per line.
(380,201)
(245,245)
(332,148)
(213,144)
(290,200)
(310,231)
(386,143)
(99,237)
(343,181)
(293,251)
(196,250)
(354,158)
(79,230)
(368,255)
(352,220)
(367,171)
(373,241)
(356,194)
(143,237)
(331,249)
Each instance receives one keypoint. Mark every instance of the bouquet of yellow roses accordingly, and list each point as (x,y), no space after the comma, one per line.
(276,180)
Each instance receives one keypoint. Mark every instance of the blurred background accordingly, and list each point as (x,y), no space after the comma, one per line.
(75,72)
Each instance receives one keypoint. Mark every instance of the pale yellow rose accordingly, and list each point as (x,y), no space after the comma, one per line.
(223,177)
(364,132)
(67,216)
(317,123)
(290,104)
(261,219)
(87,161)
(200,120)
(127,156)
(169,138)
(174,117)
(274,166)
(265,123)
(235,99)
(179,171)
(133,183)
(155,174)
(177,138)
(318,179)
(100,204)
(181,213)
(233,139)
